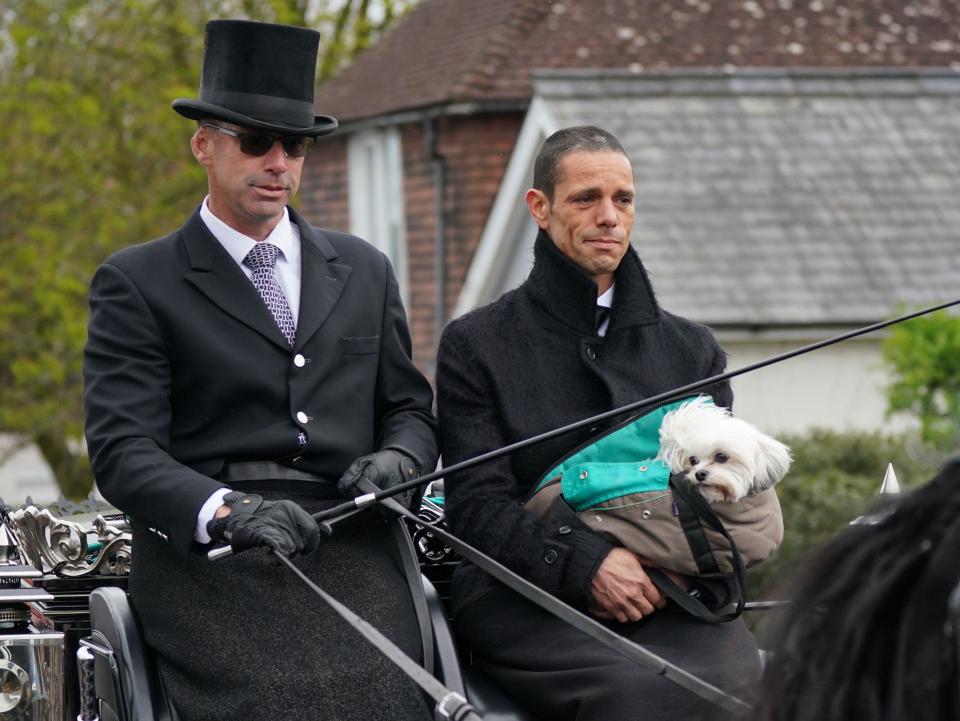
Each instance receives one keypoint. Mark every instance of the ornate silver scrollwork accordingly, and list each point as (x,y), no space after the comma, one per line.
(70,548)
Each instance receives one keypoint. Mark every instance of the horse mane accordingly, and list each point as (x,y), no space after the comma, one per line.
(868,634)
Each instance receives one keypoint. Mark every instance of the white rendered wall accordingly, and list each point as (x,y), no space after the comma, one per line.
(840,387)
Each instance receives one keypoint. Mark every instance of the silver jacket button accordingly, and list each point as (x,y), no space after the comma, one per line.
(302,417)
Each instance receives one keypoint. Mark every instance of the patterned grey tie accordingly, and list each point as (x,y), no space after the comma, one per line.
(262,260)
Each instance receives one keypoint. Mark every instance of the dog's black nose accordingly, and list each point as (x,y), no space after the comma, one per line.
(702,476)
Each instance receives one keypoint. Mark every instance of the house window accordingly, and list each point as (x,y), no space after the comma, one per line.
(375,178)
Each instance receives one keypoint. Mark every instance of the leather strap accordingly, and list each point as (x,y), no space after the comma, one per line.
(684,600)
(696,536)
(411,571)
(268,471)
(687,496)
(241,504)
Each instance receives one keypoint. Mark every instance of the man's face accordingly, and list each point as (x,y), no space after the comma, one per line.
(247,192)
(591,214)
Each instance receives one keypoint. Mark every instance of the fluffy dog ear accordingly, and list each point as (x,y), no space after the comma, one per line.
(773,461)
(670,451)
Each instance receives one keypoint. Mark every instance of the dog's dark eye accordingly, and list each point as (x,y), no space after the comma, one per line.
(693,460)
(721,458)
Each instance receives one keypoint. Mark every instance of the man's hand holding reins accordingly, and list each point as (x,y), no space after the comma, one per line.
(384,469)
(252,522)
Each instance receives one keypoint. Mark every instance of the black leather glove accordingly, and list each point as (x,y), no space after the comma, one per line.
(254,522)
(384,469)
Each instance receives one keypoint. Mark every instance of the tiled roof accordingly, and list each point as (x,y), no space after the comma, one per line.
(774,198)
(468,50)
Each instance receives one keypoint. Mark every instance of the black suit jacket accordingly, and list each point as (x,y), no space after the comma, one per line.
(185,369)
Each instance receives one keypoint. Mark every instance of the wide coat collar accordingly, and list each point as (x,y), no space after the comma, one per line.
(215,274)
(565,292)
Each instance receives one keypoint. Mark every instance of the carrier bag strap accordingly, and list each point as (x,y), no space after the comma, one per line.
(693,531)
(684,600)
(690,502)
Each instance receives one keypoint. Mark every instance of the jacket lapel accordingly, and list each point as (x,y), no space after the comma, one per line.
(321,281)
(215,274)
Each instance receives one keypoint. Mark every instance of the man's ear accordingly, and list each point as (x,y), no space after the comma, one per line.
(200,144)
(539,207)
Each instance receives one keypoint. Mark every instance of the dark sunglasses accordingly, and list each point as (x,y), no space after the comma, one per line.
(258,144)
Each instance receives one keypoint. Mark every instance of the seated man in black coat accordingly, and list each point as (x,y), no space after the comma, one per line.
(582,335)
(241,373)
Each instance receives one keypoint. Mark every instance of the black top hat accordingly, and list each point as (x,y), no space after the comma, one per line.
(261,76)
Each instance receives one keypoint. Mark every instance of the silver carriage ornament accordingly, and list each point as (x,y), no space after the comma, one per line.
(71,549)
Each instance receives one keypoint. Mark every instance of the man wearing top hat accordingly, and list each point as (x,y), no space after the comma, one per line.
(240,374)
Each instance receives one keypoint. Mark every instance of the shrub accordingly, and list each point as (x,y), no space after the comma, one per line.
(835,477)
(924,359)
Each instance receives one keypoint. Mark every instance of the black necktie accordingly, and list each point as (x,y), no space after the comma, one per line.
(602,313)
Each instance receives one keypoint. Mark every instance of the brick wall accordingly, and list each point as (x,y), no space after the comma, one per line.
(323,190)
(420,202)
(475,151)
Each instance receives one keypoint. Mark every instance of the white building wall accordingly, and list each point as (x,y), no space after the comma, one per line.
(840,387)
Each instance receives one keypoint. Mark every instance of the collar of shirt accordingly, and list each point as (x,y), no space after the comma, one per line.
(606,300)
(286,236)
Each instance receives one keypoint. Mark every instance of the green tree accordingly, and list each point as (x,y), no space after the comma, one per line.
(352,27)
(924,358)
(94,159)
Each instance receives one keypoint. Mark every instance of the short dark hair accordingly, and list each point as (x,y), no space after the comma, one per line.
(581,138)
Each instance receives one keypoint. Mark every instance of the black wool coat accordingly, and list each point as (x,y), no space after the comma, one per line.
(530,362)
(185,370)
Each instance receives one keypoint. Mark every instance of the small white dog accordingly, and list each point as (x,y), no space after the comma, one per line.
(723,457)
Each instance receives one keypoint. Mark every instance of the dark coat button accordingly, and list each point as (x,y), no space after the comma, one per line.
(550,557)
(591,353)
(564,530)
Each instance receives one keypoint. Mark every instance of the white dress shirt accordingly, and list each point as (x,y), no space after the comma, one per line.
(286,236)
(606,300)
